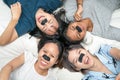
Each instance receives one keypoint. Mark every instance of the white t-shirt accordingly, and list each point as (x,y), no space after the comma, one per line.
(28,72)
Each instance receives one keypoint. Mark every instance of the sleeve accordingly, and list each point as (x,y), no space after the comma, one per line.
(28,56)
(89,77)
(24,25)
(9,2)
(56,4)
(105,49)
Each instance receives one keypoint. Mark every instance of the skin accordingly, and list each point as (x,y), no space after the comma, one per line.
(41,66)
(79,11)
(10,34)
(73,34)
(51,26)
(51,50)
(90,62)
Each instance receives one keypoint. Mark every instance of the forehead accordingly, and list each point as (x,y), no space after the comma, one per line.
(51,47)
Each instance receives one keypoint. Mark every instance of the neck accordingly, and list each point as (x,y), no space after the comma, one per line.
(40,71)
(99,67)
(89,24)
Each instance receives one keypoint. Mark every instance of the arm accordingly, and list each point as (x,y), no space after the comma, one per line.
(12,65)
(118,77)
(115,53)
(79,11)
(10,33)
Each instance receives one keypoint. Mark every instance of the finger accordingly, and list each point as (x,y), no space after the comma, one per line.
(18,3)
(77,18)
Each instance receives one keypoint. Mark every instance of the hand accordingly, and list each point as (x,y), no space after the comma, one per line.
(78,13)
(118,77)
(16,10)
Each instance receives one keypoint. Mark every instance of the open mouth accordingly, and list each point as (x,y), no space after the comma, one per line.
(86,61)
(39,19)
(43,62)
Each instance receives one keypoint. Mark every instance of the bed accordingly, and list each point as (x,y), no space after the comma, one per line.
(24,43)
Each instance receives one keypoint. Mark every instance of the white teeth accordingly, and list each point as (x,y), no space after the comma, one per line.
(86,60)
(43,62)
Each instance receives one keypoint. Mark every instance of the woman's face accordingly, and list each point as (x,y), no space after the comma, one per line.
(76,31)
(80,58)
(48,55)
(46,22)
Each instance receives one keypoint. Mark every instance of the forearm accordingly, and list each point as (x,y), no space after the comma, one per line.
(115,53)
(5,72)
(79,2)
(11,66)
(7,34)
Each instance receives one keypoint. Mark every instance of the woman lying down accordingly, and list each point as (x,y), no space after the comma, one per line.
(104,65)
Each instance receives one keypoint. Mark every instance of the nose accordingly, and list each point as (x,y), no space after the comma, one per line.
(43,22)
(81,57)
(46,57)
(78,29)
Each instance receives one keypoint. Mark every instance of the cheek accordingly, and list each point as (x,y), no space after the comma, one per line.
(53,61)
(70,58)
(40,53)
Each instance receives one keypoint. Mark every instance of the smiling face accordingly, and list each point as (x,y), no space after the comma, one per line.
(48,56)
(46,22)
(86,60)
(76,31)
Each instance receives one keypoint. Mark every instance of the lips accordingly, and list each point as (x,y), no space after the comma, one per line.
(43,63)
(40,18)
(86,60)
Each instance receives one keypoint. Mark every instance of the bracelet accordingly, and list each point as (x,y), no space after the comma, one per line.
(79,4)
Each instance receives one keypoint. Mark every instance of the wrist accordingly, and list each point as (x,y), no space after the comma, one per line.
(79,5)
(14,21)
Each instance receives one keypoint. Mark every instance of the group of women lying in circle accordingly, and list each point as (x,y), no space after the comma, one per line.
(60,39)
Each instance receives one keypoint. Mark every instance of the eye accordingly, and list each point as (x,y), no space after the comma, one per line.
(52,56)
(44,51)
(72,27)
(74,61)
(50,21)
(44,21)
(79,52)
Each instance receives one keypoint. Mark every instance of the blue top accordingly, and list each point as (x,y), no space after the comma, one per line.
(26,22)
(111,63)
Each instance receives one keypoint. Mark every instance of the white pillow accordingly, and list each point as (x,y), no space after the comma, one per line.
(115,20)
(93,43)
